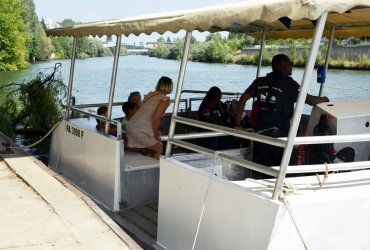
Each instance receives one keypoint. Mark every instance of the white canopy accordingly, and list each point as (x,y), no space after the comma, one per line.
(350,17)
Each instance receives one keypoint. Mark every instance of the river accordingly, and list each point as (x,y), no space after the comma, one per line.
(140,73)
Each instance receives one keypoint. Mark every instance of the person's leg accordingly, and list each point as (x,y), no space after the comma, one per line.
(155,150)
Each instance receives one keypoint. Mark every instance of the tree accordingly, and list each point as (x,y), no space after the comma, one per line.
(45,43)
(67,22)
(30,18)
(13,52)
(161,40)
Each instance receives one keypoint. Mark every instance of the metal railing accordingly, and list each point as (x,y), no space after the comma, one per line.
(191,100)
(280,142)
(102,118)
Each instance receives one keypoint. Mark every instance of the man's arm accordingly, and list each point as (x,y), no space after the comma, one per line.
(240,108)
(313,100)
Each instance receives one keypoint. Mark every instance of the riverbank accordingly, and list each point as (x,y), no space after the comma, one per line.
(41,210)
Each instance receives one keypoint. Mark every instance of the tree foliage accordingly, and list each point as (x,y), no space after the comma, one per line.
(13,53)
(35,104)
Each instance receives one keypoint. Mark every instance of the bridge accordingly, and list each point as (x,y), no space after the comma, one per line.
(126,45)
(131,48)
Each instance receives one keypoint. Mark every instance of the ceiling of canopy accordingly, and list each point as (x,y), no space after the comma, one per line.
(280,18)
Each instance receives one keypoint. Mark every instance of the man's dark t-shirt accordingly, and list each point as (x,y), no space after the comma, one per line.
(276,95)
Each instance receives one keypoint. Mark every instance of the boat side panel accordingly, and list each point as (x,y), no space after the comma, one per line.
(89,160)
(234,217)
(325,222)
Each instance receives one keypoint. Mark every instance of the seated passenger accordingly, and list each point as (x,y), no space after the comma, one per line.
(129,108)
(103,110)
(212,109)
(135,97)
(143,129)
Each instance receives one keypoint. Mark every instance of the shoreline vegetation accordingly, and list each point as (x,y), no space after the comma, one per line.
(26,42)
(234,49)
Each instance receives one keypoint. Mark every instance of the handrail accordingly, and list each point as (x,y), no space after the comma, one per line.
(231,131)
(218,154)
(300,169)
(193,135)
(104,118)
(92,105)
(223,131)
(192,99)
(205,92)
(331,139)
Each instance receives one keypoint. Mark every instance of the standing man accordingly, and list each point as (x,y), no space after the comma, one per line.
(276,94)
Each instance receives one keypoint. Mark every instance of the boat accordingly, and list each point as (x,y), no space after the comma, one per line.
(195,198)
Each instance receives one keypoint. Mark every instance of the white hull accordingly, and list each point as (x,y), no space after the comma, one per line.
(241,215)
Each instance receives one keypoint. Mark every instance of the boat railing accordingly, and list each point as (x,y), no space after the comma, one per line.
(191,100)
(102,118)
(280,142)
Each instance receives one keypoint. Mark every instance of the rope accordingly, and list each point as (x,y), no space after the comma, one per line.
(43,138)
(287,189)
(290,210)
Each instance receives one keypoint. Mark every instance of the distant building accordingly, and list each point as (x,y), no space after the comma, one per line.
(51,23)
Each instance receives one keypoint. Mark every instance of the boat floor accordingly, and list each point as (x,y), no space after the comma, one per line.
(140,223)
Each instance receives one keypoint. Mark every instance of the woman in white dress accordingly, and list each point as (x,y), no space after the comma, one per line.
(143,129)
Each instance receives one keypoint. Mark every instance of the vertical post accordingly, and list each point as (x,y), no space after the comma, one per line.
(300,104)
(261,52)
(327,56)
(70,81)
(113,82)
(180,83)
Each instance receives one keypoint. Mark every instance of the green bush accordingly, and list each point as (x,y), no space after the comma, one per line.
(34,104)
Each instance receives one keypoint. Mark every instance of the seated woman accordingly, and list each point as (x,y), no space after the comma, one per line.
(143,128)
(212,109)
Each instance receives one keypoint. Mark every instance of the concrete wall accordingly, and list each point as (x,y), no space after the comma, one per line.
(347,53)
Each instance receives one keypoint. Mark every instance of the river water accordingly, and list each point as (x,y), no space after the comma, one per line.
(140,73)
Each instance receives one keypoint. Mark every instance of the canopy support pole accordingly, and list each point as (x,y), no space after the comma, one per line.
(327,57)
(180,83)
(262,46)
(70,81)
(113,82)
(300,104)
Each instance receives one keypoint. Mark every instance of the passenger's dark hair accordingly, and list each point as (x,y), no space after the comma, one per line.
(134,93)
(101,110)
(212,93)
(128,106)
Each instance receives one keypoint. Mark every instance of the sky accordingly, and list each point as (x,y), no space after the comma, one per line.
(99,10)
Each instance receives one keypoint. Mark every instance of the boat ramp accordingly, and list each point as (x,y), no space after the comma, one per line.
(40,210)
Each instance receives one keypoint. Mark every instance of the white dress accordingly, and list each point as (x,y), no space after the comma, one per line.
(139,129)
